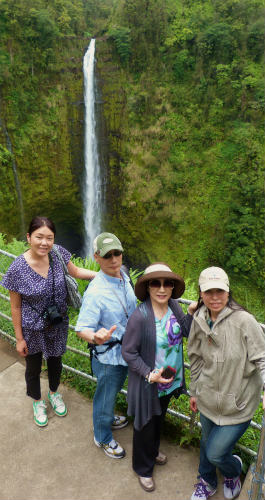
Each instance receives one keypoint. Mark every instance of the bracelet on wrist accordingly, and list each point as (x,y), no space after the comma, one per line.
(149,378)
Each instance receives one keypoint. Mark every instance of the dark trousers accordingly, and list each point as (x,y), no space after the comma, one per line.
(33,371)
(146,442)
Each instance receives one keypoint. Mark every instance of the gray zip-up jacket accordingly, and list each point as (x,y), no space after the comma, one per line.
(224,377)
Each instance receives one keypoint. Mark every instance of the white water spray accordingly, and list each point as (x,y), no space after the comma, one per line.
(92,184)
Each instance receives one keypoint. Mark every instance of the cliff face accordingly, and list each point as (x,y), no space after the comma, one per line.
(41,114)
(47,147)
(186,142)
(111,81)
(181,131)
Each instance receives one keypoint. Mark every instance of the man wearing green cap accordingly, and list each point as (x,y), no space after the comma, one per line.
(107,304)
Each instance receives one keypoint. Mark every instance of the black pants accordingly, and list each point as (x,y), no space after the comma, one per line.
(146,442)
(33,371)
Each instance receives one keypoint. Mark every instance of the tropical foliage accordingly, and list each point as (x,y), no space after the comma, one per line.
(191,155)
(183,91)
(41,132)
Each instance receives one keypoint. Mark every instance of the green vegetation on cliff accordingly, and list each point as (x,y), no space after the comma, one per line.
(184,93)
(41,111)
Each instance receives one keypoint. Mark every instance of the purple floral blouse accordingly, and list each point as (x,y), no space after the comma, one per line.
(37,293)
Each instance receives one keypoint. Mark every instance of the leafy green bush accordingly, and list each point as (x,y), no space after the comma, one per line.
(121,38)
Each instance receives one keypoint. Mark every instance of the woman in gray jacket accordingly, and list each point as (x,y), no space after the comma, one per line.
(227,353)
(152,347)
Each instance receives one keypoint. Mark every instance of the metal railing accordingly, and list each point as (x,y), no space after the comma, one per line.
(256,491)
(68,368)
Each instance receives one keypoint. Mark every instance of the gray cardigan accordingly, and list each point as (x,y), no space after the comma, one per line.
(139,351)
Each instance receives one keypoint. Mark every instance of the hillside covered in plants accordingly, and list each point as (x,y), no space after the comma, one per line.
(182,87)
(41,112)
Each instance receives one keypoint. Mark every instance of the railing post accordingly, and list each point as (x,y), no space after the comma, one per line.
(257,482)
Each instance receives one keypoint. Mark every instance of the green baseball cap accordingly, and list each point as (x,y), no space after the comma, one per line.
(105,242)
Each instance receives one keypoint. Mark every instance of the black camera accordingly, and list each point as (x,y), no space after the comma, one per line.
(52,315)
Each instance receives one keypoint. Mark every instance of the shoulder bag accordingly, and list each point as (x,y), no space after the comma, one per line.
(74,297)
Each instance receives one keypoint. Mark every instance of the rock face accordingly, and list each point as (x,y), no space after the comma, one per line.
(47,145)
(114,137)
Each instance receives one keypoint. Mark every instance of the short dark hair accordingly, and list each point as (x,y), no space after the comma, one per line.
(38,222)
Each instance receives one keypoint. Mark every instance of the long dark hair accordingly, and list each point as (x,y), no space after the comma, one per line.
(38,222)
(231,303)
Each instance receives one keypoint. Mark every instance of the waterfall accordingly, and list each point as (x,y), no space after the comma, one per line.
(92,197)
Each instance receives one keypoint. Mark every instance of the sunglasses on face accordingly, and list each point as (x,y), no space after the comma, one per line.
(159,283)
(115,253)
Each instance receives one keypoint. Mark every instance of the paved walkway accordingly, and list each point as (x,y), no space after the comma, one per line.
(60,461)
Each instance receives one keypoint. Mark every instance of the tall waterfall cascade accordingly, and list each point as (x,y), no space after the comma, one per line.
(92,197)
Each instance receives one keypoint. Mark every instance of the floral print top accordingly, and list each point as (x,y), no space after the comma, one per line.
(37,293)
(169,351)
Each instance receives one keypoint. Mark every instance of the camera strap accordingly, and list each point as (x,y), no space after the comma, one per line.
(117,297)
(93,350)
(35,309)
(40,314)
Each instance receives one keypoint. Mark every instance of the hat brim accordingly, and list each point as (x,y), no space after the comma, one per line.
(140,288)
(110,247)
(210,285)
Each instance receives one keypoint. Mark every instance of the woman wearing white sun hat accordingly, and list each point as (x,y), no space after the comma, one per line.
(226,348)
(152,347)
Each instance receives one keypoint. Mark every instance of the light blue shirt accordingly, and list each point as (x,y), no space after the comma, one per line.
(105,303)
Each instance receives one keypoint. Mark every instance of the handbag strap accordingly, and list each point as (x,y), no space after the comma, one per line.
(59,255)
(53,285)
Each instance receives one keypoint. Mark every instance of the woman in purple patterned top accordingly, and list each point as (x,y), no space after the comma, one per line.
(36,282)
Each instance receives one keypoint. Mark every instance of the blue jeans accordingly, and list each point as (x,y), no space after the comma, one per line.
(217,443)
(110,381)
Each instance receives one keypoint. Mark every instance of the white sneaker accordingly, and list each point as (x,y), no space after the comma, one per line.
(57,404)
(202,490)
(119,422)
(232,486)
(113,449)
(40,414)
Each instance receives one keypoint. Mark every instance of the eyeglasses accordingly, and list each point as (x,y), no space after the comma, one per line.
(115,253)
(163,283)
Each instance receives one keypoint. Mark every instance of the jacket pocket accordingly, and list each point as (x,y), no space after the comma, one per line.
(206,398)
(229,406)
(216,402)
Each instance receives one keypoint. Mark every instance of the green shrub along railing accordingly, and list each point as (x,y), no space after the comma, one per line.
(77,372)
